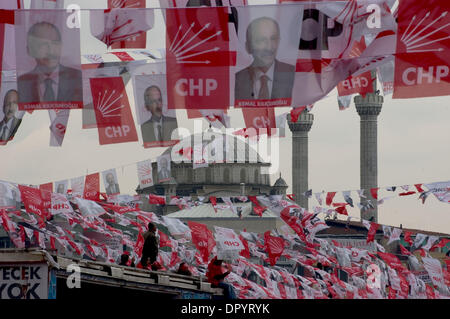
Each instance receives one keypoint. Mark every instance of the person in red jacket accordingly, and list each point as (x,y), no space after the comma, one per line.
(216,275)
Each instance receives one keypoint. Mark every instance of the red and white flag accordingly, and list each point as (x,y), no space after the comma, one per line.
(441,190)
(92,187)
(112,111)
(197,58)
(274,247)
(229,245)
(35,201)
(203,239)
(156,199)
(434,269)
(145,173)
(135,41)
(122,22)
(77,185)
(421,60)
(58,126)
(360,84)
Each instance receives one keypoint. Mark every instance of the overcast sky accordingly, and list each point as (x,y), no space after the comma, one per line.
(413,147)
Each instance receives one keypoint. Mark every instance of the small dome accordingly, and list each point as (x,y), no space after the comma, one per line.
(280,182)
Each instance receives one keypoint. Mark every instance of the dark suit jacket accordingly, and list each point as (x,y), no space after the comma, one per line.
(15,125)
(283,82)
(69,85)
(168,125)
(110,190)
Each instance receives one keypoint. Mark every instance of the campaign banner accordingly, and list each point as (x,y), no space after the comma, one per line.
(35,200)
(49,72)
(77,185)
(164,168)
(421,60)
(361,84)
(10,116)
(267,50)
(197,58)
(110,182)
(24,281)
(145,173)
(92,187)
(441,190)
(158,123)
(112,111)
(263,120)
(121,22)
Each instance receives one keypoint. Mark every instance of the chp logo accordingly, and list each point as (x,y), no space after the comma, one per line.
(112,111)
(197,57)
(145,173)
(421,67)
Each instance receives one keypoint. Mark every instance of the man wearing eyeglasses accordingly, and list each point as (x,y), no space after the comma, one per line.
(9,123)
(49,81)
(159,127)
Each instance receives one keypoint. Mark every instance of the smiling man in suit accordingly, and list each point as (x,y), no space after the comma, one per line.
(49,80)
(10,123)
(266,77)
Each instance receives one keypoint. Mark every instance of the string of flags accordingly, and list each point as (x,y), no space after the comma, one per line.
(212,61)
(104,231)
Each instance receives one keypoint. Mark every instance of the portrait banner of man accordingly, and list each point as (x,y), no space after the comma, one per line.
(6,196)
(10,116)
(267,54)
(110,182)
(163,168)
(49,72)
(158,123)
(62,186)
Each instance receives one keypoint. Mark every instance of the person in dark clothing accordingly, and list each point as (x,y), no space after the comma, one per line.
(125,260)
(151,245)
(183,269)
(216,276)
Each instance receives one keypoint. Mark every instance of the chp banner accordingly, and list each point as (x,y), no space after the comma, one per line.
(197,58)
(145,173)
(49,72)
(267,49)
(422,60)
(112,111)
(92,187)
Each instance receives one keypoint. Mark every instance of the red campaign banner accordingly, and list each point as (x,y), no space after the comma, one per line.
(92,187)
(203,239)
(198,58)
(361,84)
(274,247)
(422,60)
(123,56)
(112,111)
(48,187)
(35,201)
(260,119)
(136,41)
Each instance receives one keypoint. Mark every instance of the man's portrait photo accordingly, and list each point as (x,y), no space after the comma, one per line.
(10,120)
(44,49)
(163,168)
(267,77)
(61,187)
(110,181)
(157,122)
(159,127)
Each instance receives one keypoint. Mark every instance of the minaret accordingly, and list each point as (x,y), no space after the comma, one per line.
(368,108)
(300,131)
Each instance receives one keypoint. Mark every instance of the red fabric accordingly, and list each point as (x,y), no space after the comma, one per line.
(291,196)
(391,260)
(246,251)
(155,199)
(372,231)
(406,193)
(274,246)
(341,210)
(447,262)
(164,240)
(259,210)
(295,113)
(374,192)
(430,292)
(419,188)
(404,250)
(92,187)
(441,244)
(214,270)
(202,238)
(35,201)
(408,238)
(329,199)
(48,187)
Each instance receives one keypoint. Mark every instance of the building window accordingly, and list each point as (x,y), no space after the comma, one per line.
(256,176)
(243,175)
(226,176)
(189,176)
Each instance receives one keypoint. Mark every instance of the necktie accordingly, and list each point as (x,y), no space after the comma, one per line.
(159,132)
(4,134)
(264,90)
(49,94)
